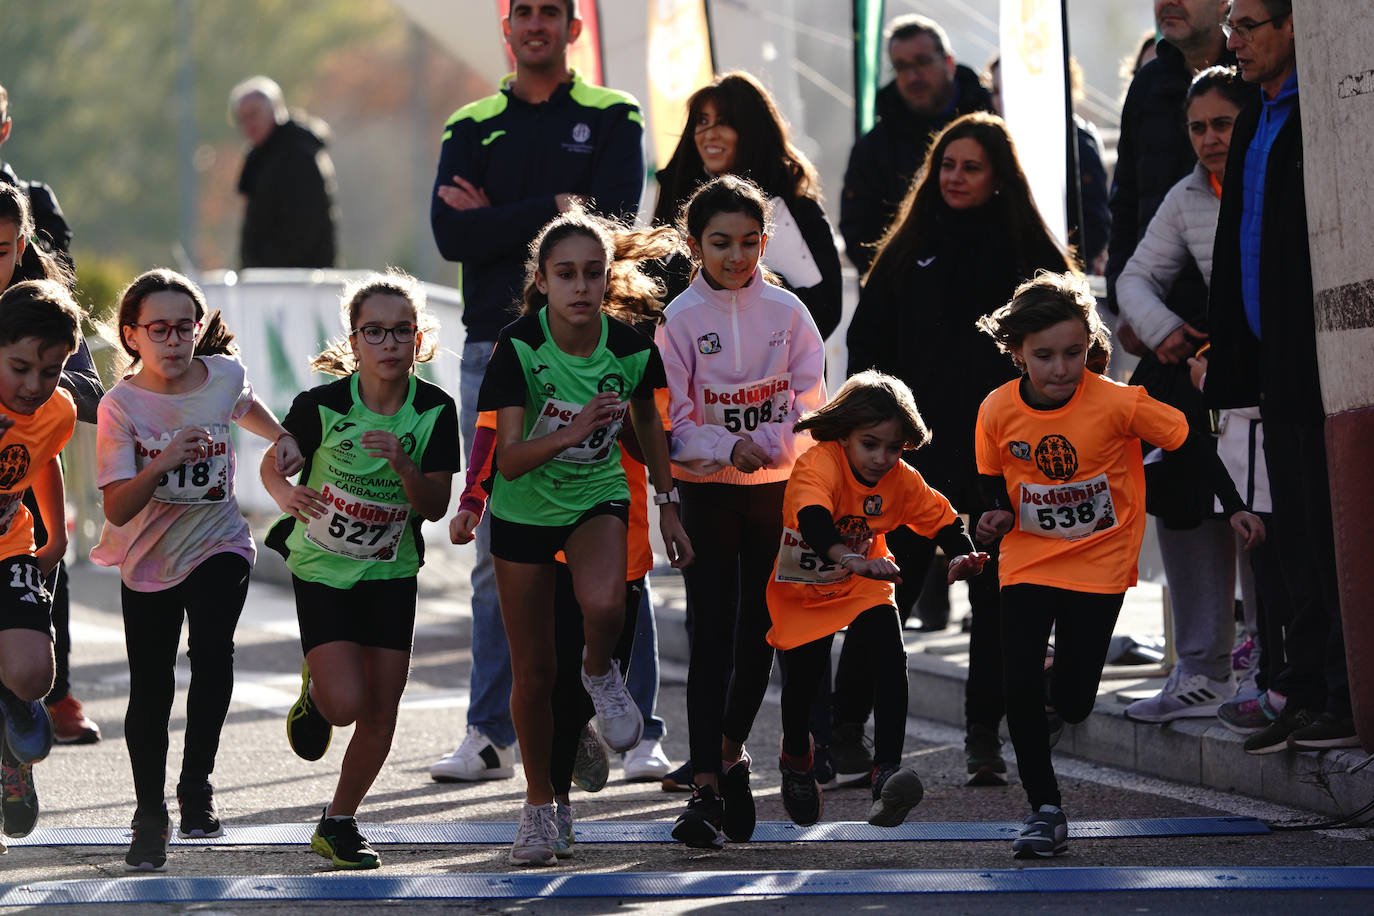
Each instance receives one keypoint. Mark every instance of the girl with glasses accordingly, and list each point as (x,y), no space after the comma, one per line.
(166,471)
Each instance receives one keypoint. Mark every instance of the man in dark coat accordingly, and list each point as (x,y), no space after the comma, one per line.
(1264,351)
(928,91)
(287,180)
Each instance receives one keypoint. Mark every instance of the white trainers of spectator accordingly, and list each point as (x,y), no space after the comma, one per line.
(1194,696)
(646,761)
(476,759)
(618,719)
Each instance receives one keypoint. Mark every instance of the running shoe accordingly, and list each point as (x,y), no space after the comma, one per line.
(823,766)
(852,752)
(802,798)
(1253,714)
(148,844)
(701,825)
(1195,696)
(1274,737)
(477,758)
(28,730)
(896,790)
(566,840)
(1045,834)
(738,800)
(617,717)
(537,837)
(338,840)
(199,816)
(1326,731)
(70,725)
(646,762)
(679,780)
(307,729)
(19,803)
(591,766)
(1245,656)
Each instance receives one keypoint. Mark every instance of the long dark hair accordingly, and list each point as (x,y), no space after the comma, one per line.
(867,399)
(763,153)
(916,228)
(36,263)
(214,336)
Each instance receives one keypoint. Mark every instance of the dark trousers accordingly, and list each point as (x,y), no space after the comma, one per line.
(62,635)
(1082,625)
(805,667)
(735,531)
(572,708)
(1273,609)
(1315,677)
(210,600)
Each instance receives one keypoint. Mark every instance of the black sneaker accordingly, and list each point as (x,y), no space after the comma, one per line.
(801,794)
(20,799)
(199,816)
(823,766)
(738,800)
(853,754)
(896,790)
(339,841)
(148,848)
(1326,731)
(983,755)
(1045,834)
(1275,738)
(306,727)
(701,825)
(680,780)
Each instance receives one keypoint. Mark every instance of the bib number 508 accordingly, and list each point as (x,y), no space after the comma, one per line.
(748,418)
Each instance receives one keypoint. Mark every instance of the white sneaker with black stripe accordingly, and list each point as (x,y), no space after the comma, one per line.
(477,758)
(1194,696)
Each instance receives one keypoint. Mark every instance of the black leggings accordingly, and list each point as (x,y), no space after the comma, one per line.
(879,629)
(735,531)
(1083,625)
(210,599)
(572,708)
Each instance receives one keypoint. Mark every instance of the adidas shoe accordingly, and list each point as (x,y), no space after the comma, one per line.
(1195,696)
(477,758)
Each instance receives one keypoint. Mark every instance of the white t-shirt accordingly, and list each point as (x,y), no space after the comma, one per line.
(193,514)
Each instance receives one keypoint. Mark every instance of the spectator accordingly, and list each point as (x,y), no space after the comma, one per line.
(287,180)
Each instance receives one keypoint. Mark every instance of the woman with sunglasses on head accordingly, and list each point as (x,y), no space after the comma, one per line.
(173,527)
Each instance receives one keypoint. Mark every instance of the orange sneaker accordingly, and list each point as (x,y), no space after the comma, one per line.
(70,725)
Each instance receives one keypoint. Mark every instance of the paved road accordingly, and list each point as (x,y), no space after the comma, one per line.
(259,781)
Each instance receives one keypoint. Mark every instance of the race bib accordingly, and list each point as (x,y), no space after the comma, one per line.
(10,504)
(358,528)
(556,414)
(196,482)
(744,408)
(1067,511)
(797,562)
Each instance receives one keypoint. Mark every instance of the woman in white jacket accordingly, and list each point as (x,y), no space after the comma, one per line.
(1201,562)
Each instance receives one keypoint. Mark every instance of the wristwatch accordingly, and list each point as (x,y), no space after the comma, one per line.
(671,496)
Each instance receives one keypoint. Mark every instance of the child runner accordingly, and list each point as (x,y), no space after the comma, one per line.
(40,327)
(173,527)
(834,571)
(1059,459)
(562,378)
(744,359)
(380,448)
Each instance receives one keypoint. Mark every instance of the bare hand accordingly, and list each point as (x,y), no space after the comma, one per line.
(382,444)
(462,527)
(1197,370)
(597,412)
(288,455)
(1250,527)
(1181,343)
(966,566)
(1130,342)
(992,525)
(463,195)
(876,568)
(675,540)
(192,443)
(304,504)
(748,456)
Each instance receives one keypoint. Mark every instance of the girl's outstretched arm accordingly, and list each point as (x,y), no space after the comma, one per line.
(516,455)
(649,430)
(260,421)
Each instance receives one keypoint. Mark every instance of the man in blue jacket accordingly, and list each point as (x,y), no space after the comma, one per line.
(511,162)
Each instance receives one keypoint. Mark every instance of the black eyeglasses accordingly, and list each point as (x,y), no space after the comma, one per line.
(375,334)
(1244,30)
(158,331)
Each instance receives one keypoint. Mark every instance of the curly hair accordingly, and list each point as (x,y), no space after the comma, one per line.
(1041,302)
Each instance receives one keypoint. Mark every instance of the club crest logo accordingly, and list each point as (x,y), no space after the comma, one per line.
(708,344)
(408,443)
(1056,458)
(853,530)
(581,133)
(612,382)
(873,505)
(14,464)
(1020,450)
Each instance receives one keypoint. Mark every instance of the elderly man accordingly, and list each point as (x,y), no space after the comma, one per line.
(287,181)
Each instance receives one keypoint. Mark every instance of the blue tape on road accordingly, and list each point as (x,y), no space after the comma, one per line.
(499,833)
(376,886)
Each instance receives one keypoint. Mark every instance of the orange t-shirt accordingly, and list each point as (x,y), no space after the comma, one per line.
(25,450)
(809,597)
(1075,480)
(639,553)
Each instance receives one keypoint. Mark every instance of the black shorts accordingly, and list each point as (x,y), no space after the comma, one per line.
(25,601)
(519,543)
(379,613)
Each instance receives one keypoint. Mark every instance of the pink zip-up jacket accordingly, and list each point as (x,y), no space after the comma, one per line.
(747,361)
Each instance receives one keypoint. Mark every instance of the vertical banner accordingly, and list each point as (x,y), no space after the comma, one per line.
(680,61)
(868,59)
(584,55)
(1033,80)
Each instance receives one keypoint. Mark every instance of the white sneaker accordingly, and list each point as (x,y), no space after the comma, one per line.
(617,717)
(1194,696)
(537,838)
(477,758)
(646,762)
